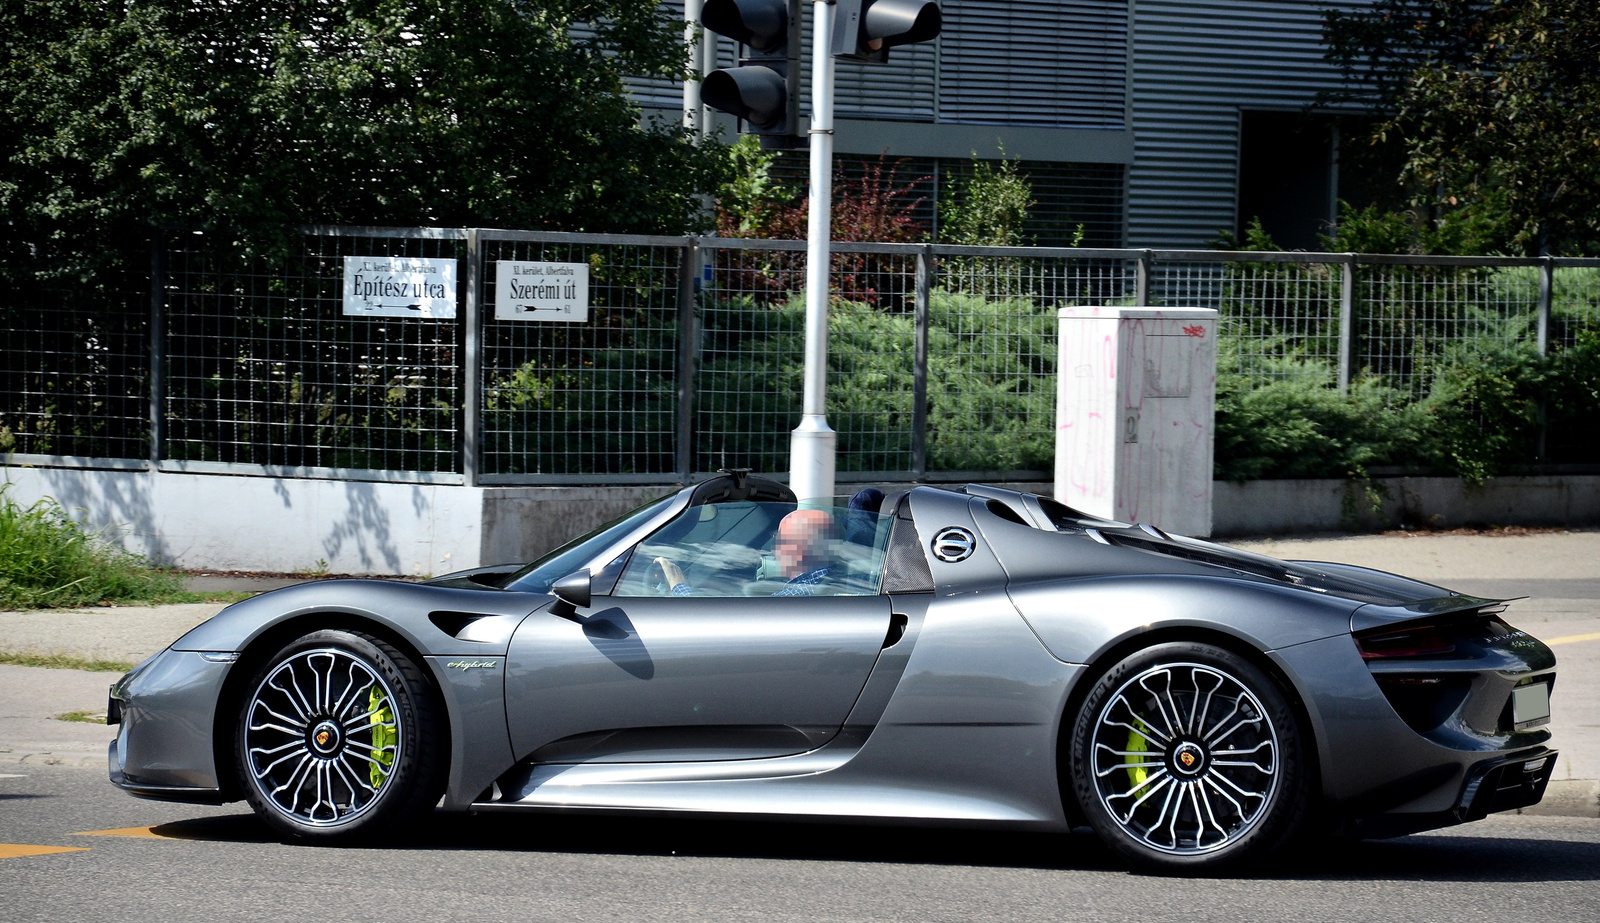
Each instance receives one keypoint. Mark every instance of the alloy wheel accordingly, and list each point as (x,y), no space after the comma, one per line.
(1185,759)
(322,736)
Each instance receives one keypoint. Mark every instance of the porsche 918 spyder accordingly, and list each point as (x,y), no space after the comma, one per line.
(951,656)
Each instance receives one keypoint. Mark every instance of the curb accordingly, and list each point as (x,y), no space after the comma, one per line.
(1568,798)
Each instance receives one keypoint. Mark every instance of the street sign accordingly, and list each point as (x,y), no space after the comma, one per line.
(399,286)
(541,291)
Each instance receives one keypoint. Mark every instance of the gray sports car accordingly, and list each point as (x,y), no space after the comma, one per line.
(952,656)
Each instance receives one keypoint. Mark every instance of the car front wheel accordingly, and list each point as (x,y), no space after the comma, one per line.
(338,738)
(1187,758)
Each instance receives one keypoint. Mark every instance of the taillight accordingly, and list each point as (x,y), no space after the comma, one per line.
(1411,641)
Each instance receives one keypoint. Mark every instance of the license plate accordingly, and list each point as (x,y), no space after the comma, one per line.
(1530,704)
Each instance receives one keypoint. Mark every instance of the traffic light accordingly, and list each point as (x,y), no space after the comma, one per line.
(865,30)
(764,90)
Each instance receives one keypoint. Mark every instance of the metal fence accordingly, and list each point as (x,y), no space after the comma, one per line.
(210,356)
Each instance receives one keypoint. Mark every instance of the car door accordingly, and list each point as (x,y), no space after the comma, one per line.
(714,675)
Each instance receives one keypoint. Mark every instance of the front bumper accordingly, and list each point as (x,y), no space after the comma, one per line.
(166,743)
(119,778)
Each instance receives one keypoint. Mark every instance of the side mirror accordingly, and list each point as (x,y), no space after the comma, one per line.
(573,591)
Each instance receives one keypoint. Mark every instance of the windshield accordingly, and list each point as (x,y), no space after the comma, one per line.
(538,576)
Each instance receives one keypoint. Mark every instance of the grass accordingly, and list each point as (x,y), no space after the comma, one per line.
(64,662)
(87,717)
(49,560)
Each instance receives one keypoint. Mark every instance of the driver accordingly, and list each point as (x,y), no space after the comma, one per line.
(804,551)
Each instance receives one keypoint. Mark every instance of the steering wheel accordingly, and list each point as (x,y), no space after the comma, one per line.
(661,576)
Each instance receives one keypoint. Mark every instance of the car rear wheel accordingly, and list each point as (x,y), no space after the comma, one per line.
(1188,758)
(338,738)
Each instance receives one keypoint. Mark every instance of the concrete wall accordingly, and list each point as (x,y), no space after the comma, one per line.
(1278,507)
(223,522)
(522,523)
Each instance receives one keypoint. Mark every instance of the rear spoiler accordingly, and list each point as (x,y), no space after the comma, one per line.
(1374,615)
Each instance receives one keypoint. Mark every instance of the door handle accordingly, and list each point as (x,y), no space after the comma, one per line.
(897,629)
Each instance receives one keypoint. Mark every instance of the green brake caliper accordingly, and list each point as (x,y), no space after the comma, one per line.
(383,737)
(1136,744)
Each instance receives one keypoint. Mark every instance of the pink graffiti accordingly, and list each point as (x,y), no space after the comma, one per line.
(1195,330)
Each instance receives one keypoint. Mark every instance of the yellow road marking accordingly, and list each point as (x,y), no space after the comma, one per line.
(146,832)
(1574,639)
(16,850)
(178,830)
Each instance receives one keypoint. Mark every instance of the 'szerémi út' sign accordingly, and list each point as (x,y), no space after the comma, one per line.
(541,291)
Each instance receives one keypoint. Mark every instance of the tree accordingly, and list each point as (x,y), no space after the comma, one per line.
(260,116)
(989,208)
(1496,104)
(877,205)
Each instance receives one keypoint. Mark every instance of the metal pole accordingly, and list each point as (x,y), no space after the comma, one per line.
(919,374)
(472,363)
(688,279)
(813,444)
(1547,288)
(691,87)
(1347,320)
(158,345)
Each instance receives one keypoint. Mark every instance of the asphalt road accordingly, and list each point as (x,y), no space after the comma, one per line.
(221,864)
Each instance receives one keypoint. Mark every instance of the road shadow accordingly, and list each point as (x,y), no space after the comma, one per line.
(762,839)
(1444,858)
(1434,857)
(226,828)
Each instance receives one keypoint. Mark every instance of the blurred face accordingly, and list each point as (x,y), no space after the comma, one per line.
(803,542)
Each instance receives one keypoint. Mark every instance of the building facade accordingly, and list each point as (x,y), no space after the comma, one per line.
(1140,123)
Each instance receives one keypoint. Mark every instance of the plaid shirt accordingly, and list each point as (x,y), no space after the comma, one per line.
(806,583)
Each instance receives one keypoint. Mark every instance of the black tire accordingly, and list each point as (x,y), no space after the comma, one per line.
(339,738)
(1186,759)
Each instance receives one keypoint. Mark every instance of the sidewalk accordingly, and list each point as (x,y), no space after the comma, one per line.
(1558,571)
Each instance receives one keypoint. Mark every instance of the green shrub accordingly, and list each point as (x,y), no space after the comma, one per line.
(991,383)
(1483,409)
(1482,416)
(1489,405)
(1285,419)
(47,559)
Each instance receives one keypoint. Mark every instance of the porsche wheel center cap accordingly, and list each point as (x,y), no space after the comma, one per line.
(326,737)
(1188,759)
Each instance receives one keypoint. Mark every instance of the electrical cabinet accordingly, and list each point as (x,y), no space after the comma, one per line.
(1135,407)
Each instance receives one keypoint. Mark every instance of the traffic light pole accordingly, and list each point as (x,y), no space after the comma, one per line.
(692,118)
(813,444)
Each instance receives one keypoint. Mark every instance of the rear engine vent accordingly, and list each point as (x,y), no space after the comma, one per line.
(1005,512)
(1198,555)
